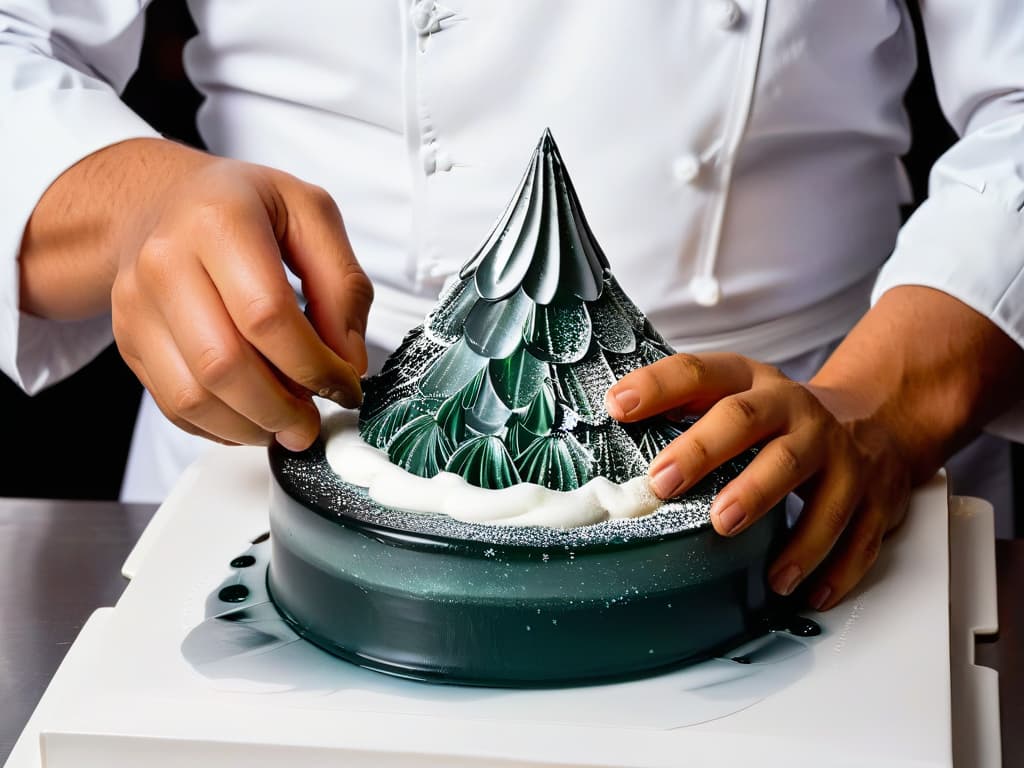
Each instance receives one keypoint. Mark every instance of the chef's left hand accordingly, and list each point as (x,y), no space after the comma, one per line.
(850,472)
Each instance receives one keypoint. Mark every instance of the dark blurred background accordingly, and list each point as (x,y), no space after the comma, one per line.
(95,408)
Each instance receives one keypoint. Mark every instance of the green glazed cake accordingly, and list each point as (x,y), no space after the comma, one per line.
(484,520)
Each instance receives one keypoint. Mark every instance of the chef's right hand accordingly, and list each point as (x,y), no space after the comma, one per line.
(205,317)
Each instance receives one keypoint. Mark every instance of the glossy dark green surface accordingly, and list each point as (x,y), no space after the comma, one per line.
(463,612)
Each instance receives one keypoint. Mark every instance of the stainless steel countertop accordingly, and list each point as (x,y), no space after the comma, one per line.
(60,560)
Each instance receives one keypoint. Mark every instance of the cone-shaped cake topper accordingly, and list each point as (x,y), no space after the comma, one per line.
(504,382)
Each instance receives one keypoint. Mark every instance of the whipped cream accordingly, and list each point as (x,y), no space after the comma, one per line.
(360,464)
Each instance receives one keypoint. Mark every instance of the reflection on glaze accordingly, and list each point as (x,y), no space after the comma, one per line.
(446,493)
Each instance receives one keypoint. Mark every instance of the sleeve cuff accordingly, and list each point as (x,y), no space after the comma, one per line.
(50,350)
(43,133)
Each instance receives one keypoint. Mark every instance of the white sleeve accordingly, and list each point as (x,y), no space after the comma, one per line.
(967,238)
(62,65)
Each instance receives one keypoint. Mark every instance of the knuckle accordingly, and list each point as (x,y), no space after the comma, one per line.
(786,459)
(870,550)
(741,411)
(265,314)
(698,450)
(356,283)
(802,398)
(216,365)
(320,200)
(835,515)
(215,216)
(154,256)
(189,401)
(869,539)
(689,367)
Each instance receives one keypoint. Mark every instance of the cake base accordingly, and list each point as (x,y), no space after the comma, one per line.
(495,611)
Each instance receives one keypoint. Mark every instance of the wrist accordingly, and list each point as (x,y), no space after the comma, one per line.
(73,240)
(925,369)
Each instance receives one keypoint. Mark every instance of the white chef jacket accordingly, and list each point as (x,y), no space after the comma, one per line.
(737,159)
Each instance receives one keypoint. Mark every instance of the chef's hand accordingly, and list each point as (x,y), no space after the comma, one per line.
(188,253)
(851,476)
(916,379)
(204,314)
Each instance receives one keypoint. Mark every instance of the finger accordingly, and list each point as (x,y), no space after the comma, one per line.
(226,365)
(129,324)
(779,467)
(890,493)
(881,511)
(851,559)
(782,465)
(824,518)
(338,293)
(187,403)
(136,366)
(693,382)
(733,424)
(180,423)
(245,265)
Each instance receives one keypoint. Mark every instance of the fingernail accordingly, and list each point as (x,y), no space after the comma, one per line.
(785,581)
(666,480)
(293,441)
(342,397)
(731,518)
(625,400)
(333,394)
(820,597)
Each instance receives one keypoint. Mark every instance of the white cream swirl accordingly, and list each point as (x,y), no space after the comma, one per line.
(358,463)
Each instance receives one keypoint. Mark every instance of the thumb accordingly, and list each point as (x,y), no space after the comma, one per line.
(316,247)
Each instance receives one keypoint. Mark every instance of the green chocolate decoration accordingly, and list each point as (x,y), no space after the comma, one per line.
(505,380)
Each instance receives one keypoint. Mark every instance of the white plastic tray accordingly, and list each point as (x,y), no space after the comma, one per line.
(874,689)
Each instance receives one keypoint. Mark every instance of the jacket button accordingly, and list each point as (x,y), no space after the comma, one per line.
(428,154)
(705,290)
(686,168)
(434,159)
(727,13)
(442,161)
